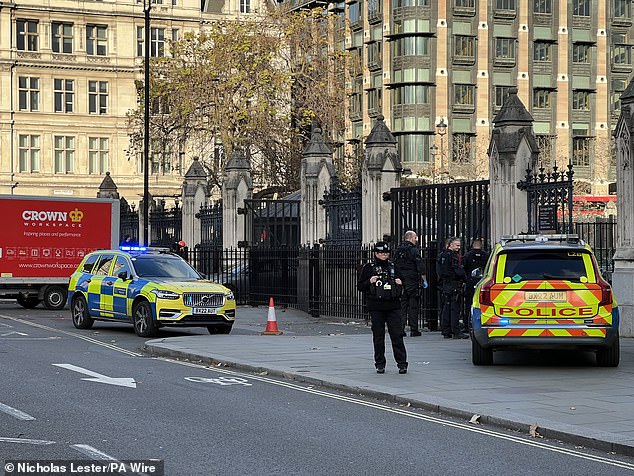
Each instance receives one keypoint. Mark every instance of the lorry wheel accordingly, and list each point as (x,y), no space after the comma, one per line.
(55,298)
(609,356)
(479,354)
(28,302)
(79,311)
(144,324)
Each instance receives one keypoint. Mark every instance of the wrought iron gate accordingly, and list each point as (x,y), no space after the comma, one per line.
(436,213)
(549,199)
(343,214)
(272,222)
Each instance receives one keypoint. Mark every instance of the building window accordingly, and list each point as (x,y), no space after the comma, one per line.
(414,94)
(542,6)
(414,148)
(412,46)
(547,149)
(623,9)
(245,6)
(63,95)
(464,94)
(580,53)
(98,97)
(62,37)
(28,93)
(581,100)
(505,4)
(541,51)
(464,46)
(175,34)
(354,13)
(29,153)
(97,155)
(501,93)
(27,35)
(157,42)
(622,55)
(410,3)
(541,98)
(465,3)
(581,152)
(64,154)
(618,86)
(375,94)
(581,8)
(505,49)
(96,40)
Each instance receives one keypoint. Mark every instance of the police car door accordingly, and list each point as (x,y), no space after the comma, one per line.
(122,274)
(100,287)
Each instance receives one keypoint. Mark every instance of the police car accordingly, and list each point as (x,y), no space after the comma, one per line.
(544,291)
(150,288)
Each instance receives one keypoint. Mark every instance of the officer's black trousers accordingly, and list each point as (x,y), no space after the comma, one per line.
(393,320)
(410,304)
(450,316)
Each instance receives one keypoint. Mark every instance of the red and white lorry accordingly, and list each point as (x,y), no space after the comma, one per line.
(43,241)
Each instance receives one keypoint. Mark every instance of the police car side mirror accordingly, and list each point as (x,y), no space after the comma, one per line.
(123,275)
(476,273)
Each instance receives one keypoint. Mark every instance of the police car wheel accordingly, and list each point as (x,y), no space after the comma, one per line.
(609,356)
(219,329)
(55,298)
(79,310)
(479,354)
(144,325)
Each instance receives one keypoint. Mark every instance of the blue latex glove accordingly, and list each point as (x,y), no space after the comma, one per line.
(424,284)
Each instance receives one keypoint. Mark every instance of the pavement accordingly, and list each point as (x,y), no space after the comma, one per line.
(557,395)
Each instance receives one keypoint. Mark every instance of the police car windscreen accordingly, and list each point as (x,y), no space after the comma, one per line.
(163,267)
(525,265)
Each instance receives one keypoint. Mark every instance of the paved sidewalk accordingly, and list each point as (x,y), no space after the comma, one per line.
(564,394)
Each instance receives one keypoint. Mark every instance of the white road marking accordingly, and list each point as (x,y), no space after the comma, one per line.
(410,414)
(73,334)
(95,454)
(13,332)
(15,412)
(220,380)
(99,378)
(25,441)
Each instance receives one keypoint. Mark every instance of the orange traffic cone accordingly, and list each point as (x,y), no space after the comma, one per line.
(271,322)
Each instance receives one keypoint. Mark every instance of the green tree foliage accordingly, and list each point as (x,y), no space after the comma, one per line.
(258,84)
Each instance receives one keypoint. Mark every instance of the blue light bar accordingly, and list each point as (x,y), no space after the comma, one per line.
(138,249)
(504,322)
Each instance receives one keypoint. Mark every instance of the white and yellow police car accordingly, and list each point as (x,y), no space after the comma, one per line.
(149,288)
(544,291)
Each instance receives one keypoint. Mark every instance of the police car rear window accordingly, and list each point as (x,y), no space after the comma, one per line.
(523,265)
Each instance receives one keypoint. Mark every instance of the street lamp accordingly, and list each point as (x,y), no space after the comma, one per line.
(147,6)
(441,130)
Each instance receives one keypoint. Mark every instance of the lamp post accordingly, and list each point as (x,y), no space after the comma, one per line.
(441,130)
(147,6)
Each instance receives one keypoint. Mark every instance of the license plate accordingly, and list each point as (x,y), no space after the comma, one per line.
(545,296)
(205,310)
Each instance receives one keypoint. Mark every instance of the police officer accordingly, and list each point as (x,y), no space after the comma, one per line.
(412,269)
(473,259)
(381,283)
(452,275)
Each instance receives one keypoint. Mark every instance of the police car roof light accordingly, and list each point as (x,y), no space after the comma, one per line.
(570,238)
(138,249)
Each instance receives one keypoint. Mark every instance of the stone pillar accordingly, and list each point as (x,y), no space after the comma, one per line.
(236,187)
(513,150)
(380,172)
(316,171)
(108,189)
(194,194)
(623,276)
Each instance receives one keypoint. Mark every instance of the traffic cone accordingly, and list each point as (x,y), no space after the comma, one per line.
(271,322)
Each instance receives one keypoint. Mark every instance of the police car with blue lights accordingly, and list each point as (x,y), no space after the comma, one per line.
(150,288)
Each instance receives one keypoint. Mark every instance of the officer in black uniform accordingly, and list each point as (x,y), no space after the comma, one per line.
(412,269)
(381,283)
(453,277)
(473,259)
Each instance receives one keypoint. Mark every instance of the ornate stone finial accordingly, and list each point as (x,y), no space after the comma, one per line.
(107,189)
(513,111)
(316,146)
(380,133)
(196,169)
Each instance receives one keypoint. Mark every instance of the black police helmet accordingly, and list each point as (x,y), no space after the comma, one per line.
(381,247)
